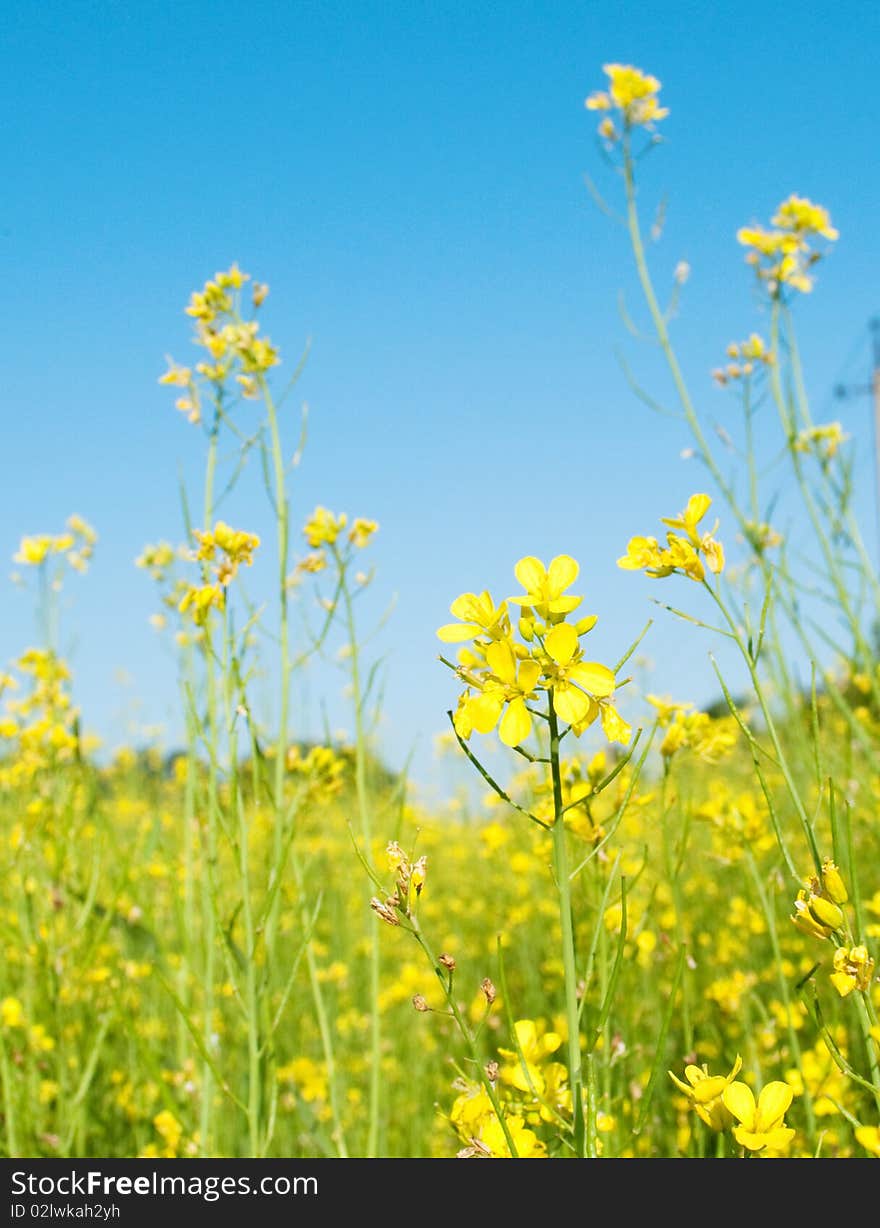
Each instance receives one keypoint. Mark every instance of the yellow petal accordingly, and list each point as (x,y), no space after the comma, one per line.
(501,661)
(698,506)
(531,574)
(465,607)
(738,1098)
(748,1139)
(483,712)
(843,983)
(563,605)
(529,673)
(615,728)
(869,1137)
(570,703)
(694,1074)
(526,1035)
(709,1089)
(593,677)
(457,633)
(562,572)
(779,1138)
(679,1084)
(516,724)
(773,1103)
(561,643)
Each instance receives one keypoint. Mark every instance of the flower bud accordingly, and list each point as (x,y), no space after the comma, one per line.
(825,912)
(805,921)
(420,1004)
(832,881)
(488,990)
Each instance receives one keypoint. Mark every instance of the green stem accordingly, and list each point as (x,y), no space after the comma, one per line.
(563,887)
(282,512)
(209,924)
(770,724)
(364,811)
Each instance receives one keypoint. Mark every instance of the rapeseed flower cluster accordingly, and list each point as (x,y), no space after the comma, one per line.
(687,552)
(783,255)
(505,675)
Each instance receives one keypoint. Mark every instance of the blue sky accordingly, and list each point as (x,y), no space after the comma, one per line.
(408,177)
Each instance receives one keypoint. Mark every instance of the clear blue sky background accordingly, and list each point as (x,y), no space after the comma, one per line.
(409,179)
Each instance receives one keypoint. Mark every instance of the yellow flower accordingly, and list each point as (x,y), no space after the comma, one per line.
(33,550)
(869,1137)
(528,1145)
(802,216)
(169,1129)
(632,92)
(545,586)
(762,1124)
(576,684)
(11,1013)
(361,531)
(682,554)
(323,528)
(704,1091)
(853,969)
(479,616)
(508,684)
(815,911)
(176,376)
(783,256)
(199,600)
(644,554)
(696,509)
(233,279)
(824,441)
(535,1044)
(832,881)
(235,545)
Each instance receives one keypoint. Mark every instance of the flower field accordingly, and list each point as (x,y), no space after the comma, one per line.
(638,929)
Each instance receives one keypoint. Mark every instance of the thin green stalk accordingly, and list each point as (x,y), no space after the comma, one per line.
(782,982)
(206,1113)
(364,811)
(563,887)
(251,995)
(282,513)
(770,724)
(9,1114)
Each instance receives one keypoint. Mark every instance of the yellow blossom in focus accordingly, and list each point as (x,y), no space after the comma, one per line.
(545,586)
(704,1091)
(479,616)
(762,1125)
